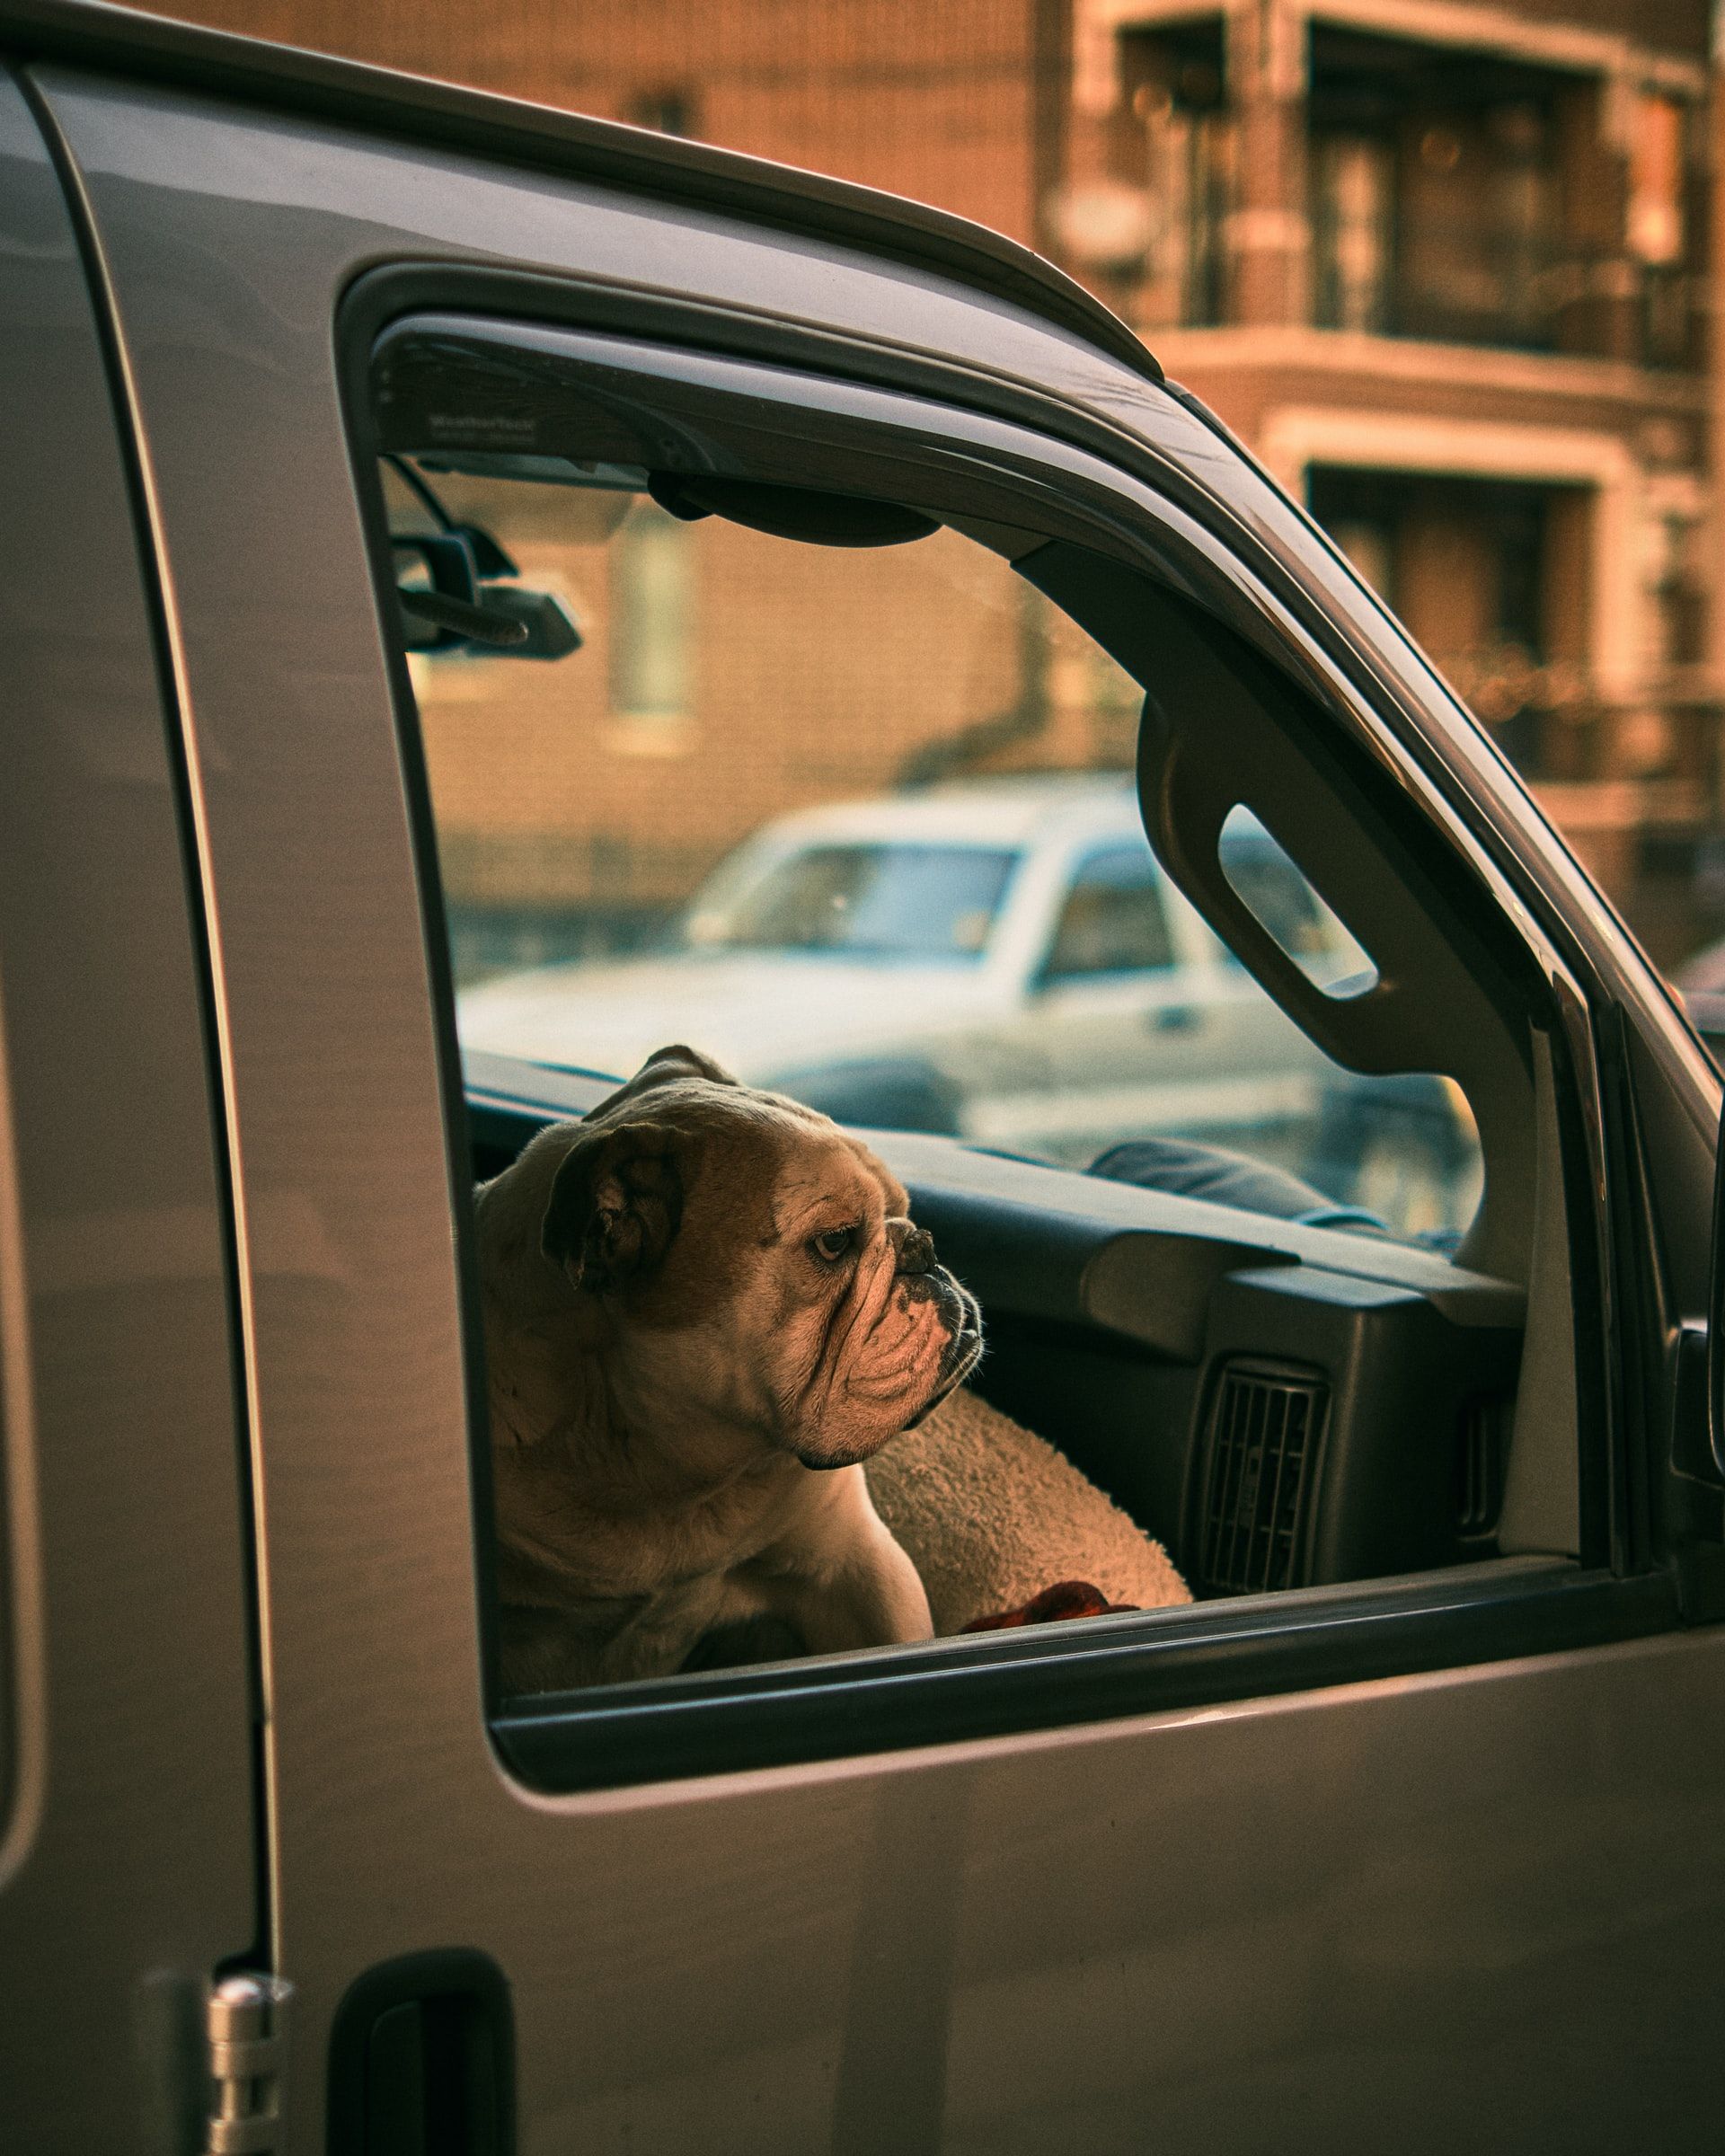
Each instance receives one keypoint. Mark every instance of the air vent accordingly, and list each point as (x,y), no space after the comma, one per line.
(1264,1437)
(1479,1468)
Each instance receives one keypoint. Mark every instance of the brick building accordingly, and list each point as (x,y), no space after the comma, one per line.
(1444,267)
(962,104)
(725,679)
(1441,264)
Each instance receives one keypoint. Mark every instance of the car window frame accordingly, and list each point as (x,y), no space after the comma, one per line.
(1313,1635)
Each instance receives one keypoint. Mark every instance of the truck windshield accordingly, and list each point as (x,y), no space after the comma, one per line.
(934,902)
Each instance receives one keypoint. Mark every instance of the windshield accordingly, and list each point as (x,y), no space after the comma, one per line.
(934,902)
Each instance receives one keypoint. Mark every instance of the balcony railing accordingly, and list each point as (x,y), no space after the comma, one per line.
(1473,284)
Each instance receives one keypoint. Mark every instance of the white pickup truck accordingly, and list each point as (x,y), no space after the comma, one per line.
(1003,960)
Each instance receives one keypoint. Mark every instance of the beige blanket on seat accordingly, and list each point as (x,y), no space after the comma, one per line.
(991,1514)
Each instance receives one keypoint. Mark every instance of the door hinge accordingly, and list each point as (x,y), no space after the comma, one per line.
(246,2022)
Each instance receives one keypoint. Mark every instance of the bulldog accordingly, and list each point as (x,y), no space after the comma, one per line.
(705,1307)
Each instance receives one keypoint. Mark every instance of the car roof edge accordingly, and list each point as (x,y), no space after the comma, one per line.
(93,35)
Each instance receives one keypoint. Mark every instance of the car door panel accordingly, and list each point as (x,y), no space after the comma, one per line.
(1290,1922)
(127,1859)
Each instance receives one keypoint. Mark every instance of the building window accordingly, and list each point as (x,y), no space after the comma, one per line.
(1655,164)
(1173,143)
(1352,233)
(1491,578)
(1655,226)
(1435,194)
(652,591)
(1368,540)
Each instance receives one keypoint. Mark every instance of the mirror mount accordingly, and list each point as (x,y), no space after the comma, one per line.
(802,513)
(464,607)
(456,610)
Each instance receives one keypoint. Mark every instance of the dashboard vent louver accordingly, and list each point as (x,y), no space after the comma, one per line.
(1479,1468)
(1264,1434)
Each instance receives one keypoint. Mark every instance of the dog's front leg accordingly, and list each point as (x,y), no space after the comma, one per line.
(880,1600)
(841,1579)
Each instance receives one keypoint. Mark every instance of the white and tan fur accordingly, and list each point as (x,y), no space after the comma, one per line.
(684,1382)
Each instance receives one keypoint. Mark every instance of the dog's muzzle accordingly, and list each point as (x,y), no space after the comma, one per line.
(961,1314)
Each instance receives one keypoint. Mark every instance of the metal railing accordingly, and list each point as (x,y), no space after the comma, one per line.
(1469,283)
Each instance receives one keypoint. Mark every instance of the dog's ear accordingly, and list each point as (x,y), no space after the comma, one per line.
(679,1062)
(660,1068)
(614,1207)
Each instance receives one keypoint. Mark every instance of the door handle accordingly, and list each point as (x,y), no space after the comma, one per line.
(422,2060)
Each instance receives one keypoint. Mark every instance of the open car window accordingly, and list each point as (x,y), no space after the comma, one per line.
(845,862)
(836,795)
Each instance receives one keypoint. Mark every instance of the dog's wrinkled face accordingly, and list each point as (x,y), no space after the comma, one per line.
(761,1263)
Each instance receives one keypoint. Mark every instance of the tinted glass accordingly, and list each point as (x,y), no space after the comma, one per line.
(1283,902)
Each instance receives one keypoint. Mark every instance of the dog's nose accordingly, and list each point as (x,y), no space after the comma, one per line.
(915,1246)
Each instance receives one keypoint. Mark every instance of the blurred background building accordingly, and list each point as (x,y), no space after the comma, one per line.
(1443,266)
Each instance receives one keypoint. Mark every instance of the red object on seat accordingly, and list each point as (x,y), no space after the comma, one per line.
(1066,1598)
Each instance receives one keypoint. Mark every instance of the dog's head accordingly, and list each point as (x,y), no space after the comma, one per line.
(759,1264)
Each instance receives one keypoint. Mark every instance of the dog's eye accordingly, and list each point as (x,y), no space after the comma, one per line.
(833,1245)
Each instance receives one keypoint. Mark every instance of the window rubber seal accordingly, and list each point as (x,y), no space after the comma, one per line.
(1107,1669)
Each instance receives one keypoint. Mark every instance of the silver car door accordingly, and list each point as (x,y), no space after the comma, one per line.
(1305,1915)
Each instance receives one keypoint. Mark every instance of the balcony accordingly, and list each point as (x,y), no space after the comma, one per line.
(1479,282)
(1421,191)
(1466,198)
